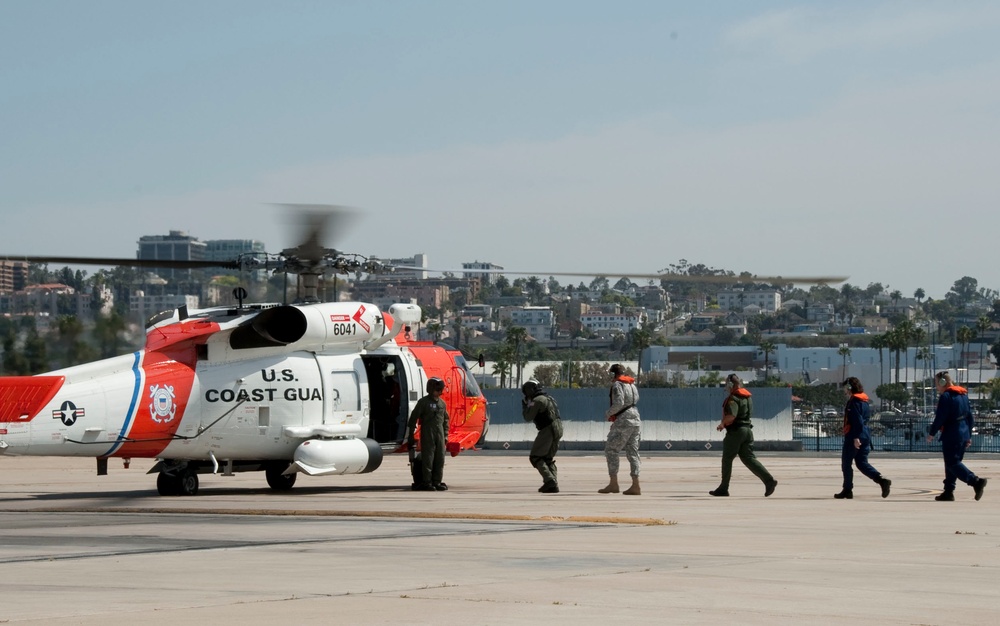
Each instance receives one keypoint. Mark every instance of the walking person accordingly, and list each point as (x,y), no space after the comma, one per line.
(431,414)
(857,440)
(737,411)
(626,430)
(954,420)
(541,409)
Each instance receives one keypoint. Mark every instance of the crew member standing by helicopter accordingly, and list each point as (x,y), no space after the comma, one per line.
(431,414)
(539,407)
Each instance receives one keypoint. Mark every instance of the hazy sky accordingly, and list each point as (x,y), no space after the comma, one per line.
(848,138)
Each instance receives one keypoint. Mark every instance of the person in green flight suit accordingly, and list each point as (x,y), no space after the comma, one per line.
(737,409)
(539,408)
(431,414)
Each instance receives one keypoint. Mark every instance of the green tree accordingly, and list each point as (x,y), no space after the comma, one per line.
(880,343)
(109,334)
(983,324)
(548,374)
(35,352)
(516,336)
(768,348)
(963,292)
(844,352)
(72,347)
(894,393)
(965,335)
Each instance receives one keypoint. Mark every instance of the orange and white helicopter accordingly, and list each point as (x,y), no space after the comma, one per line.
(319,388)
(315,387)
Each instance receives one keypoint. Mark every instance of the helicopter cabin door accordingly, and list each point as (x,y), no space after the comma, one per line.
(343,401)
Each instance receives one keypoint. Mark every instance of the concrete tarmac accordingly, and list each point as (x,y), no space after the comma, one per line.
(76,548)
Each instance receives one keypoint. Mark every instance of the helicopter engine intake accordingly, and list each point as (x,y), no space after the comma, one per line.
(328,457)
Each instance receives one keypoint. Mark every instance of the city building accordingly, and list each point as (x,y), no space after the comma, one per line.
(538,321)
(485,277)
(13,276)
(144,306)
(230,249)
(177,246)
(768,300)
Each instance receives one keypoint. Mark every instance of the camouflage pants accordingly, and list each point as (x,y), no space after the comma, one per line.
(624,434)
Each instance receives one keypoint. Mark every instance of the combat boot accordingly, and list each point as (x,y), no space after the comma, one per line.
(884,483)
(769,487)
(549,487)
(634,489)
(612,486)
(845,494)
(979,486)
(719,492)
(945,496)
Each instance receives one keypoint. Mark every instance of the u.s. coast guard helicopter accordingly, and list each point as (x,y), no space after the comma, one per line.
(313,387)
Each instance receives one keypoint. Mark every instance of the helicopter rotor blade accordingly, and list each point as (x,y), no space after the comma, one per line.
(171,264)
(663,276)
(318,223)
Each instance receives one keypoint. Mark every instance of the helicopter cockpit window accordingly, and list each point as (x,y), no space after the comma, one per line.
(471,386)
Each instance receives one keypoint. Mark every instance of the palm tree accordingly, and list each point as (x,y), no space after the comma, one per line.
(516,336)
(982,325)
(879,343)
(767,347)
(919,294)
(964,335)
(845,352)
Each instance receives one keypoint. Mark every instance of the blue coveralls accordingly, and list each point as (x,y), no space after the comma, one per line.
(856,414)
(954,419)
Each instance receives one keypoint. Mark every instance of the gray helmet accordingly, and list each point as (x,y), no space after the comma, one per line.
(531,388)
(435,384)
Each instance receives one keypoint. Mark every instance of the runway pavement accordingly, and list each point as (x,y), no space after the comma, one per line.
(76,548)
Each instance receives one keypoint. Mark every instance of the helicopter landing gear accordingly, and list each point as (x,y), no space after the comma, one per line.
(276,480)
(181,483)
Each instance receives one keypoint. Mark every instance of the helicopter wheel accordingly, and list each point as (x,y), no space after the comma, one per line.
(168,484)
(187,483)
(276,480)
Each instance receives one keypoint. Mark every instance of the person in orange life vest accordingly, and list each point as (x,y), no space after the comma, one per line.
(626,430)
(953,419)
(737,410)
(857,440)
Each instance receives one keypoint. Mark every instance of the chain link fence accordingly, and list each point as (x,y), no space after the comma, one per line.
(891,432)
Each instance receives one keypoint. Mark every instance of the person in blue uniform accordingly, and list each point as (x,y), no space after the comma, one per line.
(857,440)
(953,419)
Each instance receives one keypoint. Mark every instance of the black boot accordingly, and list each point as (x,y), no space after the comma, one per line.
(945,496)
(769,487)
(884,483)
(550,486)
(979,486)
(845,494)
(719,491)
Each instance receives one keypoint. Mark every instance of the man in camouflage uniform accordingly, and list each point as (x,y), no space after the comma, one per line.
(431,414)
(539,407)
(737,409)
(626,429)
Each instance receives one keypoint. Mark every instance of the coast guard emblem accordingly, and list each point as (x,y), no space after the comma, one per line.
(162,409)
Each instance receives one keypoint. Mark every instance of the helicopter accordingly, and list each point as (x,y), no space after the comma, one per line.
(316,388)
(319,388)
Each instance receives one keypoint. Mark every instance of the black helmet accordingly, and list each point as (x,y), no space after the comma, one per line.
(531,388)
(435,384)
